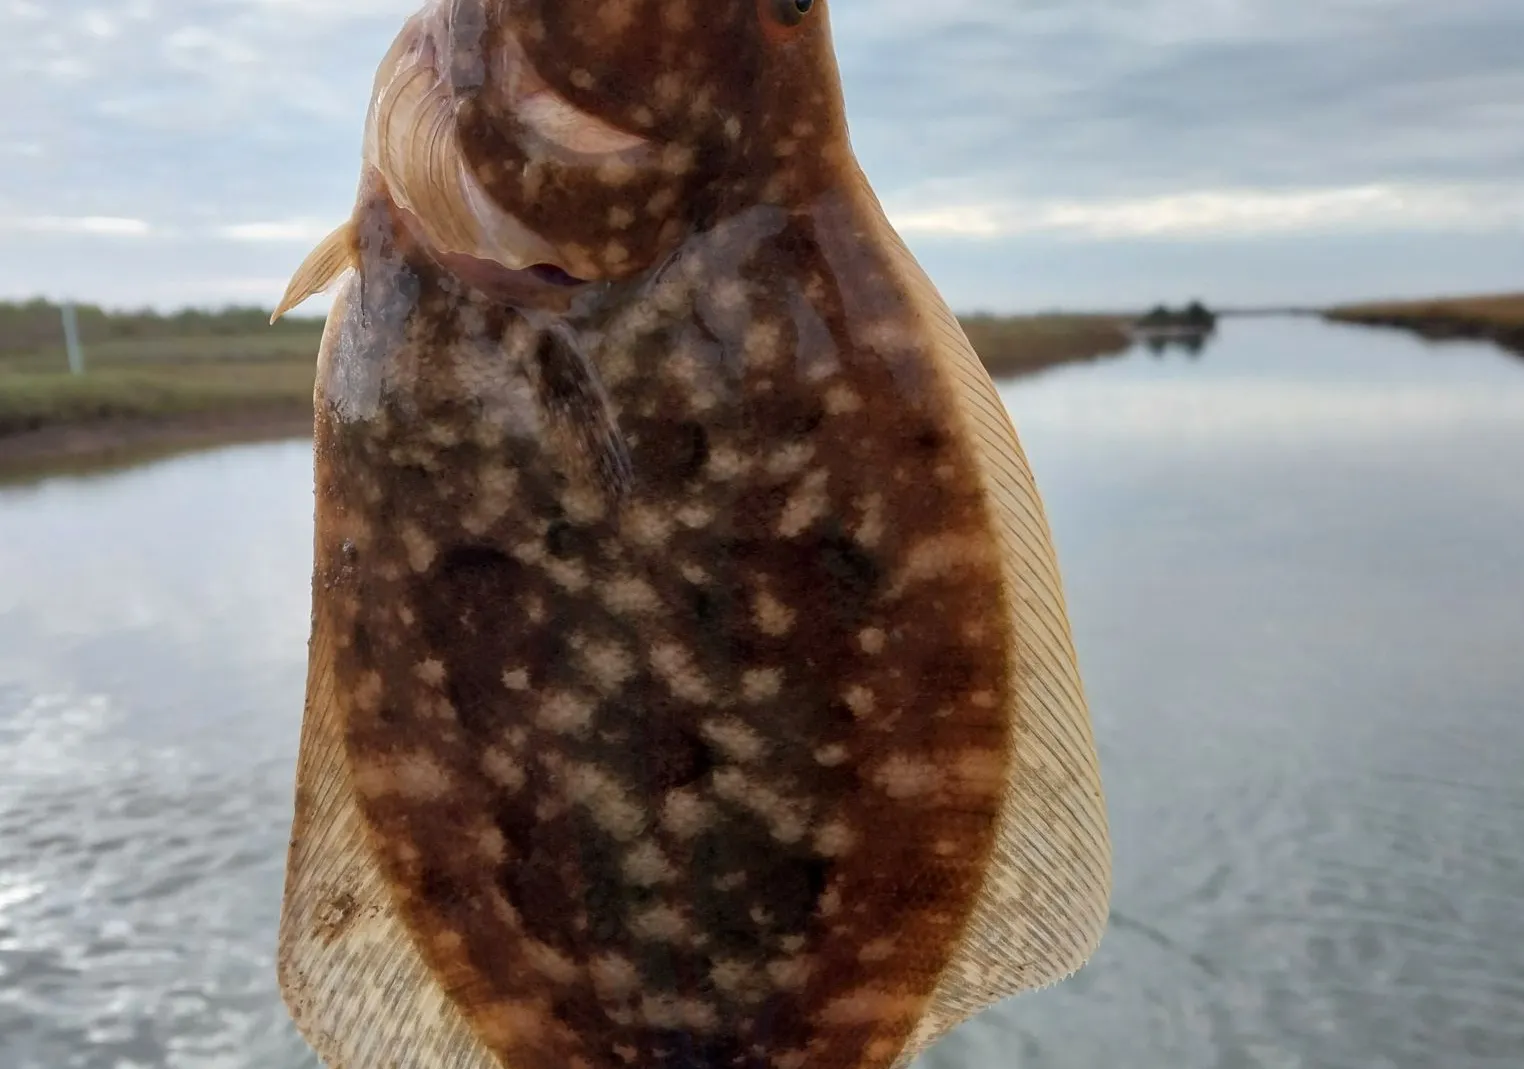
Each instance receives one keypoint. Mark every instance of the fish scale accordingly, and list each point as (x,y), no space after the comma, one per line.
(689,683)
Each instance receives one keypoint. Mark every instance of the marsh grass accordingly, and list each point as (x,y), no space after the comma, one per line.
(140,366)
(1021,345)
(1495,317)
(32,400)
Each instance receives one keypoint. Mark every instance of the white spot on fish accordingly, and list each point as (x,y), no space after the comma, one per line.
(870,530)
(832,756)
(565,713)
(860,700)
(786,817)
(736,739)
(605,799)
(503,769)
(608,664)
(726,464)
(685,813)
(834,839)
(805,505)
(790,974)
(614,977)
(674,665)
(647,866)
(868,1006)
(841,400)
(420,778)
(420,548)
(660,924)
(630,596)
(549,962)
(491,845)
(771,615)
(902,777)
(761,684)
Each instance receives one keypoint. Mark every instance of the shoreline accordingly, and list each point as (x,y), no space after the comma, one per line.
(113,418)
(71,447)
(1498,320)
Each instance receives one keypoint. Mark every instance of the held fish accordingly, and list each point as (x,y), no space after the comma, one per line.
(690,682)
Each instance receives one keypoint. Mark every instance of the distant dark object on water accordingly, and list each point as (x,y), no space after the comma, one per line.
(1163,328)
(1194,316)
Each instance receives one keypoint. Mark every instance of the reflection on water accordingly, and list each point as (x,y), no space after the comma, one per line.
(152,630)
(1297,580)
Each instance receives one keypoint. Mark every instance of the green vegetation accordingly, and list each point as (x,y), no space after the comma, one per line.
(1496,318)
(33,328)
(146,366)
(152,377)
(31,400)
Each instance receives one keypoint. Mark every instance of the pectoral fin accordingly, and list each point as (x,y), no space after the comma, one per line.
(323,266)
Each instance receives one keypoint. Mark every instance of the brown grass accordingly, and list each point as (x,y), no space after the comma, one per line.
(1496,317)
(1021,345)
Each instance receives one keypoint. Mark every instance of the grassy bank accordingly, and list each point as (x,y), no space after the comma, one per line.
(1011,346)
(199,377)
(1496,318)
(152,382)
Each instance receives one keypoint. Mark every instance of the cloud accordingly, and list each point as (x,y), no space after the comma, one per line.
(1223,214)
(93,225)
(993,129)
(295,231)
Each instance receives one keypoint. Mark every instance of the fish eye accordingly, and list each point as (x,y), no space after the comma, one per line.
(792,12)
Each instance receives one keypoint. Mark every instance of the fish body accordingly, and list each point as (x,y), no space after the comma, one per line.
(690,683)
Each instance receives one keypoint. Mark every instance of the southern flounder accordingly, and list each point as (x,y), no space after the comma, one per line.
(690,679)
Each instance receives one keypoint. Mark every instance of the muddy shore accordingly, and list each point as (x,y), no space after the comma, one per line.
(108,443)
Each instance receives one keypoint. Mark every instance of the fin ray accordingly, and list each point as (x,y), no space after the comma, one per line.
(351,976)
(1046,896)
(323,266)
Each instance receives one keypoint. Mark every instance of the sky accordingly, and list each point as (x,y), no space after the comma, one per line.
(1036,154)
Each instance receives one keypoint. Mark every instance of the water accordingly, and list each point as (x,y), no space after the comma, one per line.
(1296,572)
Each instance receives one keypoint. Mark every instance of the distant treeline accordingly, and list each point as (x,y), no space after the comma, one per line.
(37,325)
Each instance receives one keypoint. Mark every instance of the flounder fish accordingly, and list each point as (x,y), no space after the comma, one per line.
(690,681)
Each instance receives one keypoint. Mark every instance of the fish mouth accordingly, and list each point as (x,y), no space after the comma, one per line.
(412,140)
(543,284)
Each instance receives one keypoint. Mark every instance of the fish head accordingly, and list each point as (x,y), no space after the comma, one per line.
(592,137)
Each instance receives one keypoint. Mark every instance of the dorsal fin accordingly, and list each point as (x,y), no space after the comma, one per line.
(1046,895)
(322,268)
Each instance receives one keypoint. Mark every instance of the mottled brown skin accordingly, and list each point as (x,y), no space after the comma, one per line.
(741,109)
(672,660)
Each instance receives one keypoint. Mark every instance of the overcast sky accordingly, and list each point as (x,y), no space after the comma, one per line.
(1035,153)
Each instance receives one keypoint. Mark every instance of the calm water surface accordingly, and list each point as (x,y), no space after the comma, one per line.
(1296,572)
